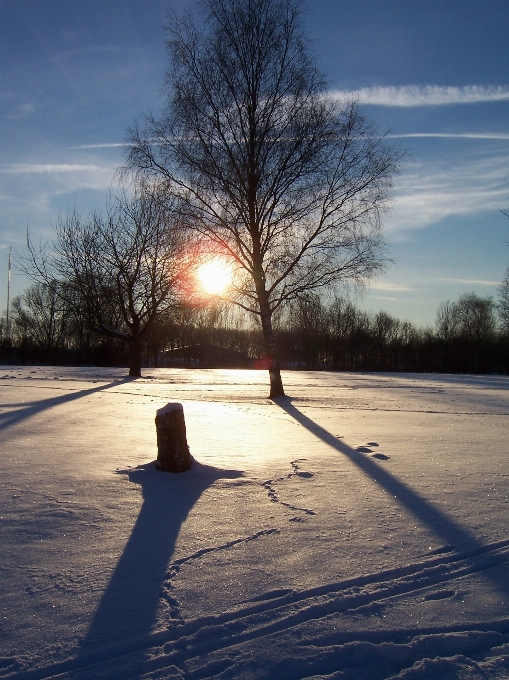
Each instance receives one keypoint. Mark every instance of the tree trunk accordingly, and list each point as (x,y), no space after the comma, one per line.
(276,384)
(135,357)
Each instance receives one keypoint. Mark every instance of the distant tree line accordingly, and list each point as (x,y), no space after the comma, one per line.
(470,335)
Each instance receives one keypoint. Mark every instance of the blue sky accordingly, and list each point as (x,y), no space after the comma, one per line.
(75,73)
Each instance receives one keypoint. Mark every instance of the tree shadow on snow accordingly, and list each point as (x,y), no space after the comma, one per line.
(129,605)
(437,521)
(27,410)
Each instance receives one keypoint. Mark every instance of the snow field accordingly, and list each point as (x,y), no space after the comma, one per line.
(356,529)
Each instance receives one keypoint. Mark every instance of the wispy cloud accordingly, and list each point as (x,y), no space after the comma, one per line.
(33,193)
(20,112)
(381,297)
(472,282)
(426,95)
(54,178)
(453,135)
(446,135)
(48,168)
(111,145)
(395,287)
(427,193)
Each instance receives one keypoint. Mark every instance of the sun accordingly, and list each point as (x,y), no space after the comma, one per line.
(215,276)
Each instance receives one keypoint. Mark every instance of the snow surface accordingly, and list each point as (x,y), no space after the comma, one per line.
(355,529)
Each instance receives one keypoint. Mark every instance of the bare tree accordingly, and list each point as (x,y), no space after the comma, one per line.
(471,317)
(276,175)
(40,315)
(308,324)
(503,295)
(119,271)
(476,318)
(447,321)
(503,303)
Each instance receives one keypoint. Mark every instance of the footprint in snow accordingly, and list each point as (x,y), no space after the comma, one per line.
(367,449)
(442,549)
(440,595)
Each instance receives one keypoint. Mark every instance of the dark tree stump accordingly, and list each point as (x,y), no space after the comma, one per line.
(172,450)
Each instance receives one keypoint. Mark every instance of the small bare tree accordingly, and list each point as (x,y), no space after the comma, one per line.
(447,321)
(120,271)
(503,303)
(274,173)
(476,318)
(40,315)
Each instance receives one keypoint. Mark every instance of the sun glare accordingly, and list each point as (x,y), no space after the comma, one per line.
(215,276)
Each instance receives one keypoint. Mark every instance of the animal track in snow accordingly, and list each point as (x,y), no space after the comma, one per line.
(175,566)
(297,472)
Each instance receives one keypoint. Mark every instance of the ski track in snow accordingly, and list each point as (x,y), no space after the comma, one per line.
(221,646)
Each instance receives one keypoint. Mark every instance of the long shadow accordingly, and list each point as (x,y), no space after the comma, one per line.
(33,408)
(129,605)
(437,521)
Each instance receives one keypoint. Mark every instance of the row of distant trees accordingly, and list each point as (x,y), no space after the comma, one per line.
(470,335)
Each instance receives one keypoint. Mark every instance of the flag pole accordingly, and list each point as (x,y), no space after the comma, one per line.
(8,293)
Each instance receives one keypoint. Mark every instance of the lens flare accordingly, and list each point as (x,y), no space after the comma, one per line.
(215,276)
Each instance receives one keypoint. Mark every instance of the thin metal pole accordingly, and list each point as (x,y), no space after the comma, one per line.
(8,293)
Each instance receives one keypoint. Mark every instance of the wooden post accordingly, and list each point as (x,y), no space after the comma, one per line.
(172,450)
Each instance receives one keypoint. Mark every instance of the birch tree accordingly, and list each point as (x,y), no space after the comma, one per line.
(283,180)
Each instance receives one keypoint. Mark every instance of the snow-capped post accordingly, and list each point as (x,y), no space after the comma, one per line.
(172,450)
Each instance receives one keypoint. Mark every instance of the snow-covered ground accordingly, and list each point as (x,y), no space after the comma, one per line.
(358,528)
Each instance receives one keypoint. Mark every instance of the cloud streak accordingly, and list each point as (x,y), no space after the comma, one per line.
(34,193)
(453,135)
(110,145)
(381,297)
(427,193)
(395,287)
(20,112)
(425,95)
(47,168)
(53,178)
(472,282)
